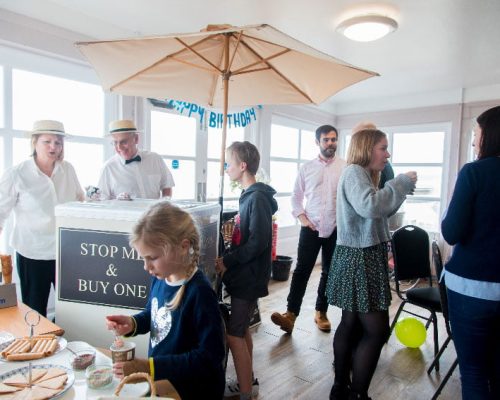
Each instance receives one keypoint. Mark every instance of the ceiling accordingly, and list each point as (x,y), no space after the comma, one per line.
(441,45)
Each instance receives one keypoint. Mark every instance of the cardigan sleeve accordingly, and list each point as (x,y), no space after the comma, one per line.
(369,202)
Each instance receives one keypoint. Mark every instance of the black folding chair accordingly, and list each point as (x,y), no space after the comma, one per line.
(410,247)
(438,265)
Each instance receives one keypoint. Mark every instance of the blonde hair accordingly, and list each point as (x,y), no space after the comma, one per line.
(34,140)
(165,226)
(361,147)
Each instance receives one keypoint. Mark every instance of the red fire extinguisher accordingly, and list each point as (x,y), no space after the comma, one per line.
(274,240)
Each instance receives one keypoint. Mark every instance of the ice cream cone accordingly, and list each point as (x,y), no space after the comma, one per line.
(6,261)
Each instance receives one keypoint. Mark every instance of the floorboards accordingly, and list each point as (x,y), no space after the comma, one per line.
(299,366)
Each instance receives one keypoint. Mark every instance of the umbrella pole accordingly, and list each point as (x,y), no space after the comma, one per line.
(225,83)
(223,143)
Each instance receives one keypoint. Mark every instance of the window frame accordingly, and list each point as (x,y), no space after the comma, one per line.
(300,126)
(12,58)
(444,165)
(201,157)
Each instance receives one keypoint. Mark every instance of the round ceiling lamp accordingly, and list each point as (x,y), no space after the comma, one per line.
(367,28)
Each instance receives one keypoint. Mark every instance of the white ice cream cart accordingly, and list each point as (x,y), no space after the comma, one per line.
(99,274)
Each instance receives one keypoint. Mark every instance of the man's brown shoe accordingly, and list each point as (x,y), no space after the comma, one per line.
(322,321)
(285,321)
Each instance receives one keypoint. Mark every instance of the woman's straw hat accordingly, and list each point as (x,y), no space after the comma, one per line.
(47,127)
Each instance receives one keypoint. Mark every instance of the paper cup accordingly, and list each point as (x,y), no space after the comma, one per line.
(124,353)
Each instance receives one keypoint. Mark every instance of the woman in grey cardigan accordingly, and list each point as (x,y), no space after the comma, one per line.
(358,282)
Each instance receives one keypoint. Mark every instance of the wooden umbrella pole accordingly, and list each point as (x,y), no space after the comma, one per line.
(225,83)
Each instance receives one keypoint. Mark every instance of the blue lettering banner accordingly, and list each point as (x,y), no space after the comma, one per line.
(212,118)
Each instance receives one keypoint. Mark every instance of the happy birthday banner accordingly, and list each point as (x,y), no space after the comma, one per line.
(212,118)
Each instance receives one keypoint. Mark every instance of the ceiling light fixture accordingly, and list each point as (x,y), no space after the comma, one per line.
(367,28)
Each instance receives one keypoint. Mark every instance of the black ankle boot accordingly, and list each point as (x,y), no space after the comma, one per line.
(339,392)
(358,396)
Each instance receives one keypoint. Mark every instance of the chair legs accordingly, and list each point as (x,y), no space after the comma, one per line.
(395,320)
(445,380)
(439,354)
(431,320)
(436,339)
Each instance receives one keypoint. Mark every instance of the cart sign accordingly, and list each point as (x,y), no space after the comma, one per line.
(101,268)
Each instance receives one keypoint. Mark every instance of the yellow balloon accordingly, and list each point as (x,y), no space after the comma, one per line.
(411,332)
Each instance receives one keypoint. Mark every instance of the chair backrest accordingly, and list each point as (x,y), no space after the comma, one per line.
(410,248)
(438,265)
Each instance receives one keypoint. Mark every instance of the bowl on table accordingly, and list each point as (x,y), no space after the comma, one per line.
(99,376)
(80,360)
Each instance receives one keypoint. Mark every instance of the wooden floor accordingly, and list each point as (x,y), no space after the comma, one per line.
(299,366)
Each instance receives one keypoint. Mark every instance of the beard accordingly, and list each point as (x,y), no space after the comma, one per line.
(329,152)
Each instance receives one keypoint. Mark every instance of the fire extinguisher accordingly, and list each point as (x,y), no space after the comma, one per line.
(274,240)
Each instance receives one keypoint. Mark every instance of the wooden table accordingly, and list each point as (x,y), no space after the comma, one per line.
(12,321)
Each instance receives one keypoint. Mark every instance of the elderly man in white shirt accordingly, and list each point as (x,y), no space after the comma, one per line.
(130,172)
(32,189)
(316,182)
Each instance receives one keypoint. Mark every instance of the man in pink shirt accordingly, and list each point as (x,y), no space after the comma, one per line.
(317,182)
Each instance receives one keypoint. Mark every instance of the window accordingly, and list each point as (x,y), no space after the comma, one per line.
(78,155)
(292,143)
(3,158)
(2,123)
(471,155)
(418,149)
(3,238)
(174,137)
(63,100)
(421,151)
(231,190)
(78,105)
(48,88)
(21,150)
(308,146)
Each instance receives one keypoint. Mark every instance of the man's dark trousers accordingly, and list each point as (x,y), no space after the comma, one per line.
(308,249)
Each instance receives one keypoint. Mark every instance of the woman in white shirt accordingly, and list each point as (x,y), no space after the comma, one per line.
(32,189)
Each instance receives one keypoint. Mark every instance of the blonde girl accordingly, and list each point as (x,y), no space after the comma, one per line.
(182,314)
(358,281)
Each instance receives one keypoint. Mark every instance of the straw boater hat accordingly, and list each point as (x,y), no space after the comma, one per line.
(122,125)
(47,127)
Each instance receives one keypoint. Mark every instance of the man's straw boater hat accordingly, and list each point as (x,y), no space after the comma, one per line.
(47,127)
(121,126)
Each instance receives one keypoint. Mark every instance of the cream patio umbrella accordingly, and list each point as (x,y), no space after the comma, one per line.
(220,66)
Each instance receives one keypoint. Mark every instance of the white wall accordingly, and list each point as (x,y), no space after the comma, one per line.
(454,107)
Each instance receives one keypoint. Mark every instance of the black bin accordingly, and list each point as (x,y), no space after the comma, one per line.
(281,268)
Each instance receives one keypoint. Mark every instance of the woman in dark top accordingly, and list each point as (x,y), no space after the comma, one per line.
(472,224)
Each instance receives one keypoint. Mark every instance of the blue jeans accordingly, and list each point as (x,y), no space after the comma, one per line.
(475,325)
(309,245)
